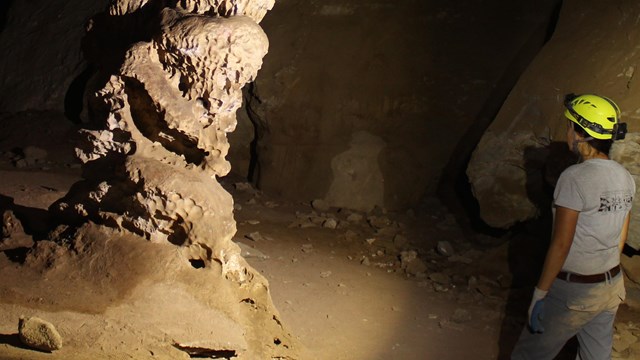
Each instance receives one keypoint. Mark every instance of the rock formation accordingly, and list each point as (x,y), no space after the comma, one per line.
(163,98)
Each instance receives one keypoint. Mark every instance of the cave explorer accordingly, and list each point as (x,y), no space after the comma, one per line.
(581,284)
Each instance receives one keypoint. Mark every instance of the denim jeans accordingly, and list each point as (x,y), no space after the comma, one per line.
(573,309)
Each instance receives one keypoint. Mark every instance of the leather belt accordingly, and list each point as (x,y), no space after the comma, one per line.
(588,279)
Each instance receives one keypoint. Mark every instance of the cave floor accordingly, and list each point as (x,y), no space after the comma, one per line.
(353,291)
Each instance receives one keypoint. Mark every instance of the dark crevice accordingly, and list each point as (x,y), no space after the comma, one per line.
(18,255)
(35,222)
(204,353)
(252,100)
(197,263)
(454,189)
(74,98)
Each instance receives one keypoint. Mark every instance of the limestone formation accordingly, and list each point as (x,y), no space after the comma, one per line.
(151,166)
(156,144)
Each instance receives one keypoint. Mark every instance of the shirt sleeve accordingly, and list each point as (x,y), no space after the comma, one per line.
(568,193)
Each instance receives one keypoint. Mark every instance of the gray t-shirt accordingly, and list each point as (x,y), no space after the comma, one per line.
(602,191)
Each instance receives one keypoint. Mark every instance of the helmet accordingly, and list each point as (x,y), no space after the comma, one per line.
(597,115)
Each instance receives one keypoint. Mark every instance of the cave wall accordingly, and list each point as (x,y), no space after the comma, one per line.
(362,104)
(41,53)
(594,49)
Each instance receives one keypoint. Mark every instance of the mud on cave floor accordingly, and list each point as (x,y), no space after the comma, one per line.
(347,284)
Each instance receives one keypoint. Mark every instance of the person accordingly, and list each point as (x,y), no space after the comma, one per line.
(581,283)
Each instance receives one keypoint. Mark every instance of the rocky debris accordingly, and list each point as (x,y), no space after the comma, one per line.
(255,236)
(28,156)
(248,251)
(39,334)
(13,235)
(411,264)
(625,341)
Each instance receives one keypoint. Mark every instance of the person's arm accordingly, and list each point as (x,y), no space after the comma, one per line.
(625,231)
(564,228)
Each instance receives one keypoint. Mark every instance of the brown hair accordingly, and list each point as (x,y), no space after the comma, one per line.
(602,146)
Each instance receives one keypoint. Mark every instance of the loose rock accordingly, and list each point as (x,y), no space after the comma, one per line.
(320,205)
(444,248)
(330,223)
(39,334)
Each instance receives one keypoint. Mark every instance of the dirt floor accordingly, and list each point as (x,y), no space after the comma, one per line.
(348,285)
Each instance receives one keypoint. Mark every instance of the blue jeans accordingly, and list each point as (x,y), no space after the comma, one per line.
(572,309)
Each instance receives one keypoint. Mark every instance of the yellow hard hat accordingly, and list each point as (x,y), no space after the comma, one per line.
(597,115)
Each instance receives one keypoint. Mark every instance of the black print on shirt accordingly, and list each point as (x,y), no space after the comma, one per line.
(615,202)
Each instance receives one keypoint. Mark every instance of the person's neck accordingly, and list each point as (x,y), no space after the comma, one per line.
(595,155)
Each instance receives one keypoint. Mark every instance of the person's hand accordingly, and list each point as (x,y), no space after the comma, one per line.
(535,310)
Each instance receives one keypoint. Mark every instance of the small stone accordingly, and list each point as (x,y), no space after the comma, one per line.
(400,241)
(378,222)
(317,220)
(307,248)
(444,248)
(445,324)
(330,223)
(354,217)
(20,164)
(253,222)
(34,154)
(39,334)
(255,236)
(370,240)
(416,267)
(325,274)
(320,205)
(250,252)
(365,261)
(440,288)
(407,257)
(623,340)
